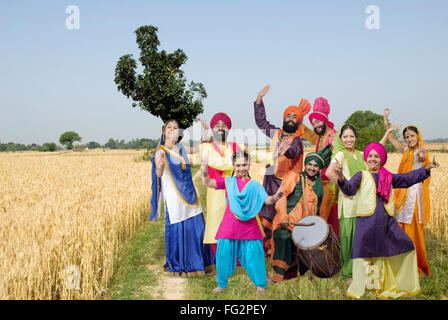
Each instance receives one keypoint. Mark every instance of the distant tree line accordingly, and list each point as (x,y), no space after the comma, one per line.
(439,140)
(11,146)
(110,144)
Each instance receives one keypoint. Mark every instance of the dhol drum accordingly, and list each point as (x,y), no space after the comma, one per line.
(317,246)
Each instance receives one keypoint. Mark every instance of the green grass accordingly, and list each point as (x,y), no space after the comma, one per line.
(134,280)
(135,276)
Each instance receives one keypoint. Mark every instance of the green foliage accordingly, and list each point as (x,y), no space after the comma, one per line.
(369,127)
(49,146)
(93,145)
(67,139)
(161,89)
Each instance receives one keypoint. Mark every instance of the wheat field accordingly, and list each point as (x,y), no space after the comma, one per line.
(62,219)
(64,215)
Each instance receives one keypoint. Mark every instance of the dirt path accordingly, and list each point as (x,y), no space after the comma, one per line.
(172,288)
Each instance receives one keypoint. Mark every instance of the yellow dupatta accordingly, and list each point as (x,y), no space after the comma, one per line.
(406,165)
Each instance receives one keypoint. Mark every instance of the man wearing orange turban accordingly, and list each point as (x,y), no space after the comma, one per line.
(287,141)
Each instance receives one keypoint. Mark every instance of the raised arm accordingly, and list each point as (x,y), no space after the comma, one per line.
(406,180)
(387,135)
(196,148)
(260,114)
(309,135)
(393,140)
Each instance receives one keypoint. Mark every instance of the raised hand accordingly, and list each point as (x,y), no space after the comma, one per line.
(337,167)
(263,91)
(204,124)
(393,128)
(421,153)
(434,164)
(283,146)
(386,114)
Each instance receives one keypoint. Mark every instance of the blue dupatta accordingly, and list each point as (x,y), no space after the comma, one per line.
(178,166)
(246,204)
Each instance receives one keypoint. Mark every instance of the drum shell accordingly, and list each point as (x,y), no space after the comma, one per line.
(324,260)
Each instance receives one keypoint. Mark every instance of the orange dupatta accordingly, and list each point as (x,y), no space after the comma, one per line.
(406,165)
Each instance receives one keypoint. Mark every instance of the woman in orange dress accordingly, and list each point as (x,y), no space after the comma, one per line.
(412,205)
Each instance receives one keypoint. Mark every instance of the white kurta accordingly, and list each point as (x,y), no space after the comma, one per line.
(415,193)
(177,210)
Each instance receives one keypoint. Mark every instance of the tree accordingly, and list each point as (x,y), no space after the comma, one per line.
(93,145)
(369,127)
(49,146)
(161,89)
(67,139)
(111,144)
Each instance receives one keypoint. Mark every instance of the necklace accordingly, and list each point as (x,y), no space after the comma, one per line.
(311,183)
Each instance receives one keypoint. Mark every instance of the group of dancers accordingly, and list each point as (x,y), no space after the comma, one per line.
(378,216)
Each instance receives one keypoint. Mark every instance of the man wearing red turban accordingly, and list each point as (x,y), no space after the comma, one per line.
(219,153)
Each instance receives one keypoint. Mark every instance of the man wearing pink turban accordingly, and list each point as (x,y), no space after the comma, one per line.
(384,257)
(324,132)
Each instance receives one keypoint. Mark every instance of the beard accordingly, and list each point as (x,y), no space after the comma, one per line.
(220,135)
(290,126)
(321,129)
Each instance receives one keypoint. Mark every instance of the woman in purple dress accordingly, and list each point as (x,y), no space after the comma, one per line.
(384,259)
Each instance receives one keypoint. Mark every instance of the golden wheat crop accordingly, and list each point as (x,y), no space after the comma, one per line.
(62,218)
(438,224)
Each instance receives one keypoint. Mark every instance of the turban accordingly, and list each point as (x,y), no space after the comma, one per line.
(322,157)
(321,110)
(385,177)
(223,117)
(303,108)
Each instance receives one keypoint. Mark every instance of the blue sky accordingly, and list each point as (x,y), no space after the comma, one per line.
(54,79)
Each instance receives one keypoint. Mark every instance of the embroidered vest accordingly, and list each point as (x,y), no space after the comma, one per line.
(366,197)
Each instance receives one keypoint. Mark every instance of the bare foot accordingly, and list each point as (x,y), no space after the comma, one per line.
(260,290)
(218,289)
(348,282)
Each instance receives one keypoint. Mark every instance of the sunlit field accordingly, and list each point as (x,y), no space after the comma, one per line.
(64,216)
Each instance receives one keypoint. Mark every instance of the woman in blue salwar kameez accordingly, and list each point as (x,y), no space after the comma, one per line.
(186,253)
